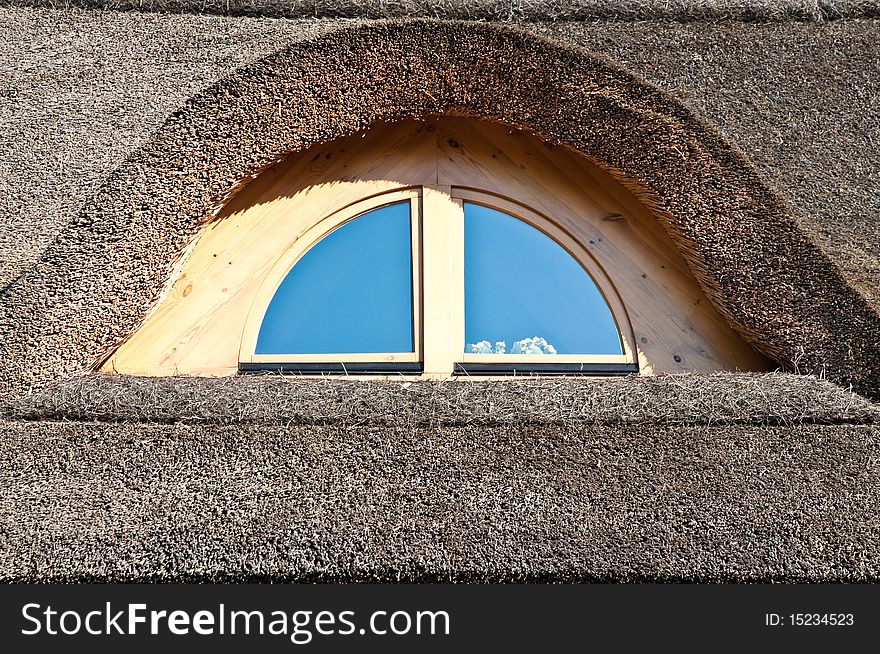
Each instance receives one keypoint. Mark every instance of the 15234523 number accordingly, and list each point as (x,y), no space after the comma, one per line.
(821,619)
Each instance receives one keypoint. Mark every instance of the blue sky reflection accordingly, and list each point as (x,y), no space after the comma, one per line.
(524,294)
(350,293)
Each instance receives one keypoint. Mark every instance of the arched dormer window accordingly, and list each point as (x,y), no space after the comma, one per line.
(438,248)
(351,300)
(455,284)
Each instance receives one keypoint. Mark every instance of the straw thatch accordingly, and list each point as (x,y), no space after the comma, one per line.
(79,91)
(94,285)
(743,399)
(102,502)
(725,477)
(498,10)
(794,98)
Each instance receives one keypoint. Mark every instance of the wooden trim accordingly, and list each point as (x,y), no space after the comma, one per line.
(456,336)
(542,368)
(546,358)
(354,357)
(289,258)
(335,368)
(417,275)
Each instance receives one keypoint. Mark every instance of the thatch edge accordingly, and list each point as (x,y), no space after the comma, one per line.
(680,399)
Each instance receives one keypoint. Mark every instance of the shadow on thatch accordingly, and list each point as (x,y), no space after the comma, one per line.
(724,398)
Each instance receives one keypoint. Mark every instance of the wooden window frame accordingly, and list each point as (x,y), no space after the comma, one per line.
(344,363)
(437,217)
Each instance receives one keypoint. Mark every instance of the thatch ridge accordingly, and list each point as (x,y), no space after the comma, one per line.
(116,502)
(496,10)
(741,240)
(684,399)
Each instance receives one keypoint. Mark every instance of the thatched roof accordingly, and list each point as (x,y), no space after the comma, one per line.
(742,240)
(498,10)
(719,399)
(148,502)
(122,131)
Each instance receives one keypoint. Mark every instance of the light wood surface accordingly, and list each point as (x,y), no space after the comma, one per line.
(439,289)
(204,325)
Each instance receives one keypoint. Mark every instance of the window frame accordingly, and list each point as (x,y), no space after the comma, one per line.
(591,364)
(196,322)
(437,217)
(344,363)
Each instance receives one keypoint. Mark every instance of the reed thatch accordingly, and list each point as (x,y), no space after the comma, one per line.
(497,10)
(735,399)
(743,242)
(137,502)
(718,478)
(793,97)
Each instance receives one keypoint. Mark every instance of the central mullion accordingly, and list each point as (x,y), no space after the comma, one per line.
(440,251)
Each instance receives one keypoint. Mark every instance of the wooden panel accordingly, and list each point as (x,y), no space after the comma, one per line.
(439,290)
(198,327)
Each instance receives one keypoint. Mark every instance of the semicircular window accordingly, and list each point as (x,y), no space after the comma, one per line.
(526,295)
(351,292)
(436,285)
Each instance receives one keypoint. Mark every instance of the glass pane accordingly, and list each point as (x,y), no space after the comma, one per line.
(524,294)
(350,293)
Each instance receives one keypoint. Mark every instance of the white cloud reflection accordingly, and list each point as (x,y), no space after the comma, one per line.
(534,345)
(485,347)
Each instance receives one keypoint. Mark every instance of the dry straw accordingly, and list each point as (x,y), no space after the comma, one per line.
(498,10)
(724,398)
(94,284)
